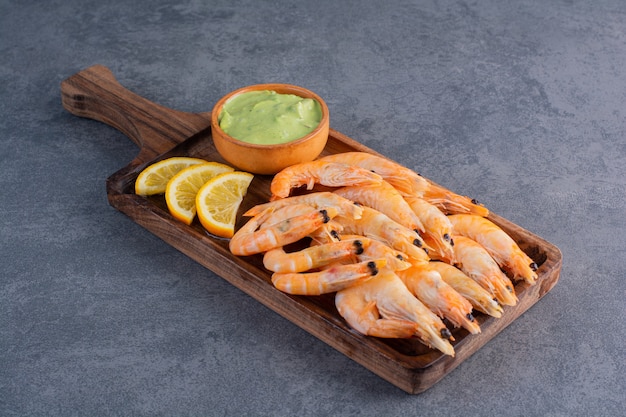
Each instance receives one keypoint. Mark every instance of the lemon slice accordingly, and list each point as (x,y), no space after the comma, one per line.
(153,179)
(181,190)
(219,199)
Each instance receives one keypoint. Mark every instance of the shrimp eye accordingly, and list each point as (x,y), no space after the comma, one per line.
(508,287)
(400,257)
(470,317)
(534,266)
(451,242)
(446,237)
(325,216)
(474,201)
(335,235)
(358,246)
(417,243)
(445,333)
(372,266)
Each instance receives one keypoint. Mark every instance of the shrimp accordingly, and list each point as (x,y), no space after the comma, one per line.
(384,307)
(480,298)
(428,286)
(252,238)
(280,213)
(375,249)
(401,178)
(498,243)
(408,182)
(438,229)
(376,225)
(387,200)
(331,174)
(277,260)
(318,200)
(475,262)
(335,278)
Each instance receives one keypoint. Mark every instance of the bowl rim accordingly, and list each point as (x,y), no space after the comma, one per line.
(284,89)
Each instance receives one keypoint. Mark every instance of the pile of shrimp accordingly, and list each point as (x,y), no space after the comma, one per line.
(402,255)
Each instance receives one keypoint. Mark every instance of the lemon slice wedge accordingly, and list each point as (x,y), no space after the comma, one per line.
(181,189)
(219,199)
(154,178)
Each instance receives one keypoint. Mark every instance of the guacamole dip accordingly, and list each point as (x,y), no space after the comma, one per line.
(268,118)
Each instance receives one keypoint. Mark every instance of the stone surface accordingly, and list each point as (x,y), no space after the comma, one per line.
(519,104)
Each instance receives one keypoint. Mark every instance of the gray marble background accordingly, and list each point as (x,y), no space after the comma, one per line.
(517,103)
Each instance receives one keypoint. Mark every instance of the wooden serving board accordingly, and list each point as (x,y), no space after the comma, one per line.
(161,133)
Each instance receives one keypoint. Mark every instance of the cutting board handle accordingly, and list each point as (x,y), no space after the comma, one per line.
(96,94)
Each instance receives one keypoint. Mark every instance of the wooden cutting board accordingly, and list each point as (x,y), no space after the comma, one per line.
(161,133)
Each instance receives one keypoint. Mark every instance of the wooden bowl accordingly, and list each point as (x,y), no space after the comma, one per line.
(270,159)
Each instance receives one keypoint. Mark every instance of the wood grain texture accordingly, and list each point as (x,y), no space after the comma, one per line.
(160,133)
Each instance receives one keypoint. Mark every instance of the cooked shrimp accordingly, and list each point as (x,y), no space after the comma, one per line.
(408,182)
(376,225)
(330,174)
(375,249)
(252,238)
(277,260)
(475,262)
(438,229)
(328,280)
(282,212)
(387,200)
(498,243)
(428,286)
(401,178)
(318,200)
(384,307)
(480,298)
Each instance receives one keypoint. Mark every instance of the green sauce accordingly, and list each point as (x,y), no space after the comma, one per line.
(268,118)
